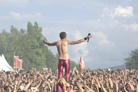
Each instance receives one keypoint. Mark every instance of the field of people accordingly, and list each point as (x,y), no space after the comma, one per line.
(124,80)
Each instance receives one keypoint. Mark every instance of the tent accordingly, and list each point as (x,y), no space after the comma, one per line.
(4,64)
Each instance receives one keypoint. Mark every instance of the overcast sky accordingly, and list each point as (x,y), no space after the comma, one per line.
(113,24)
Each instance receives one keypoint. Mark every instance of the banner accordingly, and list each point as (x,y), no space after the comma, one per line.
(16,61)
(20,64)
(81,63)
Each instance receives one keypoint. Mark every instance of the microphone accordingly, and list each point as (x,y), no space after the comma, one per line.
(88,35)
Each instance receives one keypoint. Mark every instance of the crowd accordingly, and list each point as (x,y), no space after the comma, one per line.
(124,80)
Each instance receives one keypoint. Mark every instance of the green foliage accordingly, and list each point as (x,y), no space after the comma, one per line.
(51,60)
(73,64)
(132,60)
(28,45)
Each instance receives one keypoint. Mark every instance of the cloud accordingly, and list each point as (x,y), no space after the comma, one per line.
(18,3)
(129,24)
(102,38)
(119,12)
(133,27)
(79,49)
(72,3)
(15,16)
(125,12)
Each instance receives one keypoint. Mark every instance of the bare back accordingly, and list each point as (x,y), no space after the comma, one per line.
(62,47)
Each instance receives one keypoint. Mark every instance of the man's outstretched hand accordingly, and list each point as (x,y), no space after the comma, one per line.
(89,36)
(44,41)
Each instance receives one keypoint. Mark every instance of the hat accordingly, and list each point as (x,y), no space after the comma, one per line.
(63,83)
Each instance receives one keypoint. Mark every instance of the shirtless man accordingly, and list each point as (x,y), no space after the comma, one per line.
(62,47)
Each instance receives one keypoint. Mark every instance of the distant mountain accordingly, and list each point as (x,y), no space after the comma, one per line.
(116,67)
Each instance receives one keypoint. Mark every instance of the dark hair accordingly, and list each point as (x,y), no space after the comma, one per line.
(17,75)
(62,35)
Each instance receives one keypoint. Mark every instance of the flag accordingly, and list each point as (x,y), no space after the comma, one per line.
(16,61)
(20,64)
(81,63)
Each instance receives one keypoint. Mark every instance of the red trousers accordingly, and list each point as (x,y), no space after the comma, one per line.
(63,64)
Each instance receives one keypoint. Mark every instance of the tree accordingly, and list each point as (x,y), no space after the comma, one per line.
(51,60)
(28,45)
(73,64)
(132,60)
(35,55)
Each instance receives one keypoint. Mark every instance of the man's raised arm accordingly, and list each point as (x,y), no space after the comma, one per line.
(79,41)
(50,44)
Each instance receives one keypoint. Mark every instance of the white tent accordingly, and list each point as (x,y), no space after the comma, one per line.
(4,64)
